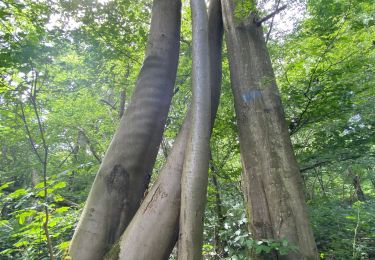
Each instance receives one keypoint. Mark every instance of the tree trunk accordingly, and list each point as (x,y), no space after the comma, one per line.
(125,171)
(153,231)
(160,210)
(358,189)
(195,170)
(271,179)
(218,245)
(122,103)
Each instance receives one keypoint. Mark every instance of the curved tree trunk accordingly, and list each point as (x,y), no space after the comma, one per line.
(195,170)
(125,171)
(154,229)
(271,178)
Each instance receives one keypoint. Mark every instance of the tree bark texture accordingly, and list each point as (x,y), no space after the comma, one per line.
(271,180)
(154,229)
(195,169)
(125,171)
(358,188)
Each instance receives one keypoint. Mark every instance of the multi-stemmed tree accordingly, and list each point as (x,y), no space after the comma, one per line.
(125,171)
(118,223)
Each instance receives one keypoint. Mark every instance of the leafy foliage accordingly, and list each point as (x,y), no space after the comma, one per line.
(67,62)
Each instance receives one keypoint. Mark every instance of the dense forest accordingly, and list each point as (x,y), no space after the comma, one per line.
(72,76)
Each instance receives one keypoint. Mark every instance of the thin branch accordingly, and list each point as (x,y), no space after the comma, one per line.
(23,117)
(123,93)
(41,130)
(317,164)
(49,242)
(314,75)
(101,36)
(91,147)
(300,123)
(328,47)
(219,211)
(271,25)
(113,106)
(224,160)
(66,158)
(356,233)
(259,22)
(33,94)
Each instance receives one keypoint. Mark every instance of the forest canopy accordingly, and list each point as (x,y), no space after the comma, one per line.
(68,71)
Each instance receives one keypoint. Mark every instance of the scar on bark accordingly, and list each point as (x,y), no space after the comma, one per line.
(158,193)
(118,179)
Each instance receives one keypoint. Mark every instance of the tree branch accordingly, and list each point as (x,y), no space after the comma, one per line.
(23,117)
(317,164)
(33,94)
(271,25)
(259,22)
(113,106)
(91,147)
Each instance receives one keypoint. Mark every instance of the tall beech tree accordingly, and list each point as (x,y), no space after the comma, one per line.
(125,171)
(271,179)
(272,184)
(67,70)
(195,170)
(160,210)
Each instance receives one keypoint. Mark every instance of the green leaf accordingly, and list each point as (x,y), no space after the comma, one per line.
(259,249)
(39,185)
(58,198)
(25,214)
(64,245)
(21,243)
(4,222)
(62,209)
(59,185)
(17,193)
(6,185)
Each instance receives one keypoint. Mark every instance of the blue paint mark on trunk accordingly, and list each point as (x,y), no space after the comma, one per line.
(250,95)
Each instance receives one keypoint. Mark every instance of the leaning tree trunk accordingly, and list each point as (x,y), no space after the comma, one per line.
(125,171)
(271,179)
(154,229)
(195,170)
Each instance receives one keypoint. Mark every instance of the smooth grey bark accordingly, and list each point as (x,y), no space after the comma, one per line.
(195,169)
(154,229)
(215,42)
(125,171)
(271,179)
